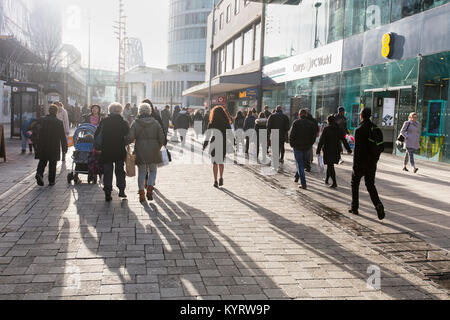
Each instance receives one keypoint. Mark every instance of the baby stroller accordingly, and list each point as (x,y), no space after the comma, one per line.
(83,141)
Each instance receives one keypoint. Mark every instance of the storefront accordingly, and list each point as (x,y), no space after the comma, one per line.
(412,75)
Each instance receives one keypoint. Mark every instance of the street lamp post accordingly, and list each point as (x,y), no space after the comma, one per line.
(316,40)
(212,55)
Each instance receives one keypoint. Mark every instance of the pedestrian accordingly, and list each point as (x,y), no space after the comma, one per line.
(166,117)
(95,117)
(206,120)
(198,123)
(176,111)
(182,124)
(280,121)
(77,116)
(134,111)
(365,164)
(70,114)
(52,140)
(156,115)
(341,122)
(239,121)
(330,142)
(261,125)
(249,126)
(310,156)
(302,138)
(149,138)
(113,130)
(267,113)
(219,124)
(26,135)
(127,114)
(85,109)
(411,131)
(64,117)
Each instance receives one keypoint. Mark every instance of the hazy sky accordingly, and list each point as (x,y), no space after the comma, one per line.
(147,20)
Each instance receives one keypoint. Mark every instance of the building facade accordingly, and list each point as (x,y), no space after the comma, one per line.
(187,34)
(388,55)
(163,87)
(235,62)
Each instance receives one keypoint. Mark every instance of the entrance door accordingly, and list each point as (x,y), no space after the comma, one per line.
(24,108)
(384,105)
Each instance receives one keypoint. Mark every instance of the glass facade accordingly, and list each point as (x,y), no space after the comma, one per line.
(187,34)
(295,29)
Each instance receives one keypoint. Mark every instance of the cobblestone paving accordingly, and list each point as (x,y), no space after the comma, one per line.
(244,241)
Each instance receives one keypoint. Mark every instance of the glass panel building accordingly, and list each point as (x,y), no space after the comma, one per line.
(389,55)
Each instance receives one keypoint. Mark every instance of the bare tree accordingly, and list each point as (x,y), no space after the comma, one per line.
(45,30)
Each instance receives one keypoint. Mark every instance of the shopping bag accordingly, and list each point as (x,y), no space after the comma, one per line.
(321,164)
(70,142)
(130,164)
(164,157)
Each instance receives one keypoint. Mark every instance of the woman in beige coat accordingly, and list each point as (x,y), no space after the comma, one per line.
(149,137)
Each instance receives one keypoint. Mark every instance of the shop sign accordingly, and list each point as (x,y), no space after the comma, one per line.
(219,100)
(324,60)
(387,45)
(248,94)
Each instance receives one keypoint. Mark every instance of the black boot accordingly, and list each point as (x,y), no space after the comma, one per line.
(108,197)
(122,194)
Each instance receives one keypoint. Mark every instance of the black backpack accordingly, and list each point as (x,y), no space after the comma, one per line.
(376,142)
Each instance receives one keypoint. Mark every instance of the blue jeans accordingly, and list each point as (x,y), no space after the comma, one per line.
(410,157)
(300,159)
(143,169)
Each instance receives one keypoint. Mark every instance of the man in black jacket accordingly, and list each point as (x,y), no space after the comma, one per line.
(182,124)
(52,139)
(249,125)
(166,117)
(302,138)
(365,166)
(341,121)
(279,121)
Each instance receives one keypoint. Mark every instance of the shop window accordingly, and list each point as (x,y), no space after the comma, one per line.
(257,41)
(336,23)
(377,13)
(351,96)
(248,46)
(405,8)
(238,52)
(229,58)
(355,15)
(433,106)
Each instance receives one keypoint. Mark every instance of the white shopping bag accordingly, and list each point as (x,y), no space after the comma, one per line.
(164,157)
(321,164)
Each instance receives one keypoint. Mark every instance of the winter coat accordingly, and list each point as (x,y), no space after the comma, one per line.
(261,124)
(303,135)
(165,117)
(330,142)
(183,120)
(249,123)
(149,137)
(114,131)
(411,131)
(362,159)
(279,121)
(341,122)
(239,123)
(52,139)
(267,114)
(64,117)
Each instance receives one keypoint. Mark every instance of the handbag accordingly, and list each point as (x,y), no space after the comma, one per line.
(401,138)
(130,163)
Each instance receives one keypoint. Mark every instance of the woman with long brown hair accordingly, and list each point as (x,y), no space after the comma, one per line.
(219,123)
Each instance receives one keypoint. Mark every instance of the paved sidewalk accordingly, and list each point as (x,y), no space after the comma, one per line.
(245,241)
(18,166)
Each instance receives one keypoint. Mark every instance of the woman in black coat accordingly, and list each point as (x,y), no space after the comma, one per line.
(113,129)
(330,142)
(219,121)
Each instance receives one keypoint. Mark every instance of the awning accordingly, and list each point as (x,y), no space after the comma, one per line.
(224,84)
